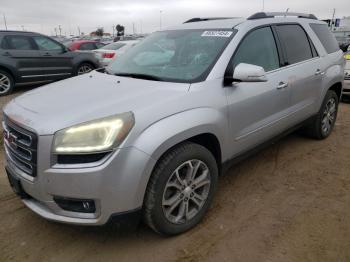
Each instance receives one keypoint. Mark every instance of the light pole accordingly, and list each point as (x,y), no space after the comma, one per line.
(160,20)
(5,21)
(332,22)
(263,5)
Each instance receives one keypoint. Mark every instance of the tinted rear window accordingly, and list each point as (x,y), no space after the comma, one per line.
(295,42)
(326,37)
(18,43)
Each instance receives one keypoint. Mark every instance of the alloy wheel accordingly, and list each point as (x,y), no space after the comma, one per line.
(84,69)
(5,83)
(186,191)
(328,117)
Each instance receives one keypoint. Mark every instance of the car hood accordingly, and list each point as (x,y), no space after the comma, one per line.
(93,96)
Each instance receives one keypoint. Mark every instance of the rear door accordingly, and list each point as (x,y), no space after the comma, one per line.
(56,62)
(25,56)
(258,111)
(304,70)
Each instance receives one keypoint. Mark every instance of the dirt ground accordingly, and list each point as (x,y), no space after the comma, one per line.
(290,202)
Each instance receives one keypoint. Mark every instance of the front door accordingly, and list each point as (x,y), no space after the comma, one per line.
(56,62)
(258,111)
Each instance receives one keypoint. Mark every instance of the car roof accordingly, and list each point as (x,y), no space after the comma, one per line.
(225,23)
(257,19)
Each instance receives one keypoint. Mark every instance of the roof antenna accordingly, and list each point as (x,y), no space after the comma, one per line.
(286,12)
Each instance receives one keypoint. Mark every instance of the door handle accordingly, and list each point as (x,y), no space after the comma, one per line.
(47,54)
(319,72)
(6,54)
(282,85)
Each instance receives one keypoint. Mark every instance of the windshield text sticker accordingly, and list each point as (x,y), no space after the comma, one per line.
(217,33)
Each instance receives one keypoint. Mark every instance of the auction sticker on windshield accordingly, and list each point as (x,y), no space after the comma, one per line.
(217,33)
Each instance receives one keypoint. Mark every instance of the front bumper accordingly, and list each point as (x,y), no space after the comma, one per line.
(116,185)
(347,75)
(346,88)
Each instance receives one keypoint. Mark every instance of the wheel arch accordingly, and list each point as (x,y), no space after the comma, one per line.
(337,88)
(6,69)
(203,126)
(80,63)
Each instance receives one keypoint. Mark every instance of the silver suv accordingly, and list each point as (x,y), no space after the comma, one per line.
(149,136)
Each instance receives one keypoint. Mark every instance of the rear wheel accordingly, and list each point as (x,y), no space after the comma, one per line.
(6,83)
(181,189)
(323,124)
(85,68)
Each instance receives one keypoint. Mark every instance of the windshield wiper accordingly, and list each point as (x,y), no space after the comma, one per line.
(140,76)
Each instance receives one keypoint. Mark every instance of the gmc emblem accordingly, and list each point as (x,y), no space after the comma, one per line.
(9,137)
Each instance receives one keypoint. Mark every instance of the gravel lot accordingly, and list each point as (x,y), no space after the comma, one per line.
(290,202)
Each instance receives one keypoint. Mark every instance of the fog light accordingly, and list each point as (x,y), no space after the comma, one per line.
(76,205)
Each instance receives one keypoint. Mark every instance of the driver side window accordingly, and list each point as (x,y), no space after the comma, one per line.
(258,48)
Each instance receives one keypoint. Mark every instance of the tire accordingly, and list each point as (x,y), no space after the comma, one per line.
(6,83)
(346,98)
(327,114)
(157,208)
(84,68)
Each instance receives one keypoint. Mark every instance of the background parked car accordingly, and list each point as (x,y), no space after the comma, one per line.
(109,52)
(28,57)
(346,90)
(84,45)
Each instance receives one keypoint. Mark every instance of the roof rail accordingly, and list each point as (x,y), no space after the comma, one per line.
(262,15)
(201,19)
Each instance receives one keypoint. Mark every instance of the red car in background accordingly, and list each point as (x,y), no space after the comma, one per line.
(84,45)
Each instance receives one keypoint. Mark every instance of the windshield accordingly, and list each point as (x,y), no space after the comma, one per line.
(175,56)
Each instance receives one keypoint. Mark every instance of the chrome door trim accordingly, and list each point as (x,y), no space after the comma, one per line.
(60,74)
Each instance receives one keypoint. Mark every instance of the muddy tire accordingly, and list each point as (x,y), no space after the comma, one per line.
(323,123)
(180,189)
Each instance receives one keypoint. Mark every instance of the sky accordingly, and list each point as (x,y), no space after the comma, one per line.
(144,16)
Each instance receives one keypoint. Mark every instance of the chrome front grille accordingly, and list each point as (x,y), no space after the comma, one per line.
(21,147)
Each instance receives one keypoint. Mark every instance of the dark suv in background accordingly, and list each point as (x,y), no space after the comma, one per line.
(27,57)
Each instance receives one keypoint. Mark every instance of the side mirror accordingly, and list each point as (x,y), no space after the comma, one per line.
(65,49)
(248,73)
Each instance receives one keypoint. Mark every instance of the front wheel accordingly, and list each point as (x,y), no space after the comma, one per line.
(181,189)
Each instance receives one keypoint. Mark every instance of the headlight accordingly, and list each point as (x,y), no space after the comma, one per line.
(94,136)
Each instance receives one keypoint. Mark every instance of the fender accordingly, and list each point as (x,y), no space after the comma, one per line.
(162,135)
(333,75)
(12,70)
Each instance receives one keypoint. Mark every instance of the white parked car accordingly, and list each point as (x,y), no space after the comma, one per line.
(346,89)
(109,52)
